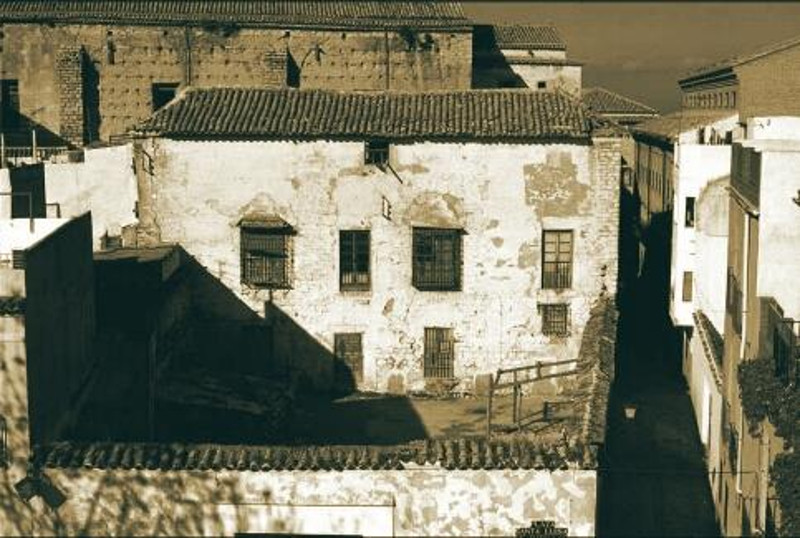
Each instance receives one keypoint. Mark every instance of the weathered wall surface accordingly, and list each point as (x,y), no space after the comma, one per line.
(103,184)
(426,502)
(697,167)
(121,63)
(556,77)
(767,86)
(59,324)
(502,195)
(779,233)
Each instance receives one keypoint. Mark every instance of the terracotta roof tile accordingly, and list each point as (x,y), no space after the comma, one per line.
(527,37)
(603,101)
(502,453)
(291,113)
(251,13)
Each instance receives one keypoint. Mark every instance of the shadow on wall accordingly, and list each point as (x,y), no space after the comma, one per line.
(490,69)
(18,130)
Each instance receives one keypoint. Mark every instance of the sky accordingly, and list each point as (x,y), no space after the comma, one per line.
(641,49)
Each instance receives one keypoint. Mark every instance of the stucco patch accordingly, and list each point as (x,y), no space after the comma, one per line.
(436,209)
(528,254)
(553,186)
(497,241)
(492,224)
(413,168)
(388,307)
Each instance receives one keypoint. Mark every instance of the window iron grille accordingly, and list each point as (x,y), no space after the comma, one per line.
(439,352)
(437,259)
(265,257)
(376,152)
(555,319)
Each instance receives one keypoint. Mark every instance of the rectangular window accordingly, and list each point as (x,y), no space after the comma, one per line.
(349,352)
(265,257)
(557,259)
(436,259)
(555,319)
(688,220)
(687,286)
(354,260)
(376,152)
(439,352)
(163,93)
(9,99)
(733,301)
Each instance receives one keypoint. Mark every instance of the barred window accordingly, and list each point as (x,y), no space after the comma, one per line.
(266,257)
(436,259)
(376,152)
(354,260)
(439,352)
(557,259)
(555,319)
(348,350)
(162,93)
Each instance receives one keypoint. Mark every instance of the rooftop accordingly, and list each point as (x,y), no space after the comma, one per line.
(249,13)
(740,59)
(527,37)
(669,126)
(261,113)
(603,101)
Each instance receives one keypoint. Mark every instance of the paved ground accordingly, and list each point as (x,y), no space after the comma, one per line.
(654,481)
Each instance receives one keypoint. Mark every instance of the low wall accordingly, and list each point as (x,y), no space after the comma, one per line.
(429,501)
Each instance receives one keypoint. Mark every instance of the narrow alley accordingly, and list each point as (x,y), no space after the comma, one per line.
(655,480)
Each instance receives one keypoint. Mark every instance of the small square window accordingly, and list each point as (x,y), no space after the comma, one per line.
(687,286)
(689,217)
(555,319)
(541,85)
(439,352)
(163,93)
(376,152)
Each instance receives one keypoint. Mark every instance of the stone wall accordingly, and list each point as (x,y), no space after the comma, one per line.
(122,62)
(502,195)
(69,73)
(428,501)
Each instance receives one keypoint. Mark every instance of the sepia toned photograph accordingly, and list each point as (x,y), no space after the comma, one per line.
(378,268)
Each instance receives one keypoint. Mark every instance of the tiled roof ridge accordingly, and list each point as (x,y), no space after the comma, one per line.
(528,36)
(739,59)
(669,126)
(326,113)
(616,95)
(513,452)
(268,13)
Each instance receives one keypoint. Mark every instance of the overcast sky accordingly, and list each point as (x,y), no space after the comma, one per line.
(641,48)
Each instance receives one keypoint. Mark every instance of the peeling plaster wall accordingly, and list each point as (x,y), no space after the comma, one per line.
(502,195)
(103,184)
(123,61)
(427,502)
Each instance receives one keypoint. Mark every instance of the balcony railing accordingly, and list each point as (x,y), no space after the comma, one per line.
(35,153)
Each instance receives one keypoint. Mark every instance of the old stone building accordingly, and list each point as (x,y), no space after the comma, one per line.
(82,71)
(397,226)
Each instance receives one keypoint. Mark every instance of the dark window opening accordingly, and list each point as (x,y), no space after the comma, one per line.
(689,217)
(733,302)
(348,349)
(9,99)
(555,319)
(557,259)
(163,93)
(436,259)
(376,152)
(265,257)
(541,85)
(354,260)
(687,286)
(439,352)
(292,72)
